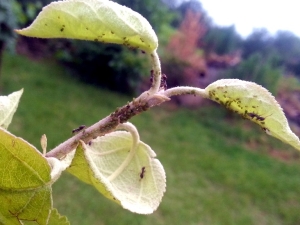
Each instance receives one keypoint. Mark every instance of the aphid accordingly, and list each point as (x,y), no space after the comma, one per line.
(163,82)
(151,76)
(142,174)
(62,29)
(267,131)
(80,128)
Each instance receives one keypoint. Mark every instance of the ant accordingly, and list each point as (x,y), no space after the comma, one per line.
(81,127)
(142,174)
(258,117)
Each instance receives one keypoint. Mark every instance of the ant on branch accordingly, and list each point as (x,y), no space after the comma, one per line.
(80,128)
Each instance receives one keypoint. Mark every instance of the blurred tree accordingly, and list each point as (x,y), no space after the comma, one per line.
(173,3)
(284,47)
(196,7)
(258,69)
(183,46)
(222,40)
(288,47)
(287,44)
(259,41)
(192,5)
(155,11)
(7,24)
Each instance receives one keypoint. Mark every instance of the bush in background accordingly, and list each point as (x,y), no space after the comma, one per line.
(7,24)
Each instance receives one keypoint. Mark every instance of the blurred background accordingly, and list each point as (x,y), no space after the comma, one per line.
(220,168)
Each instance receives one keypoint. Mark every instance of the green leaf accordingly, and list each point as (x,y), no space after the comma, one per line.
(25,184)
(56,218)
(255,103)
(32,205)
(138,187)
(95,20)
(8,106)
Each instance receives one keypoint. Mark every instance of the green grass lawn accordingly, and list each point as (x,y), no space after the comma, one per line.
(215,176)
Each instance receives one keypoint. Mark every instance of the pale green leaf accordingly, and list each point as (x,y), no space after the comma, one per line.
(56,168)
(95,20)
(25,184)
(138,187)
(8,106)
(255,103)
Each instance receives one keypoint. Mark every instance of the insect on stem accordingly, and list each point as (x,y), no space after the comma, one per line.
(77,130)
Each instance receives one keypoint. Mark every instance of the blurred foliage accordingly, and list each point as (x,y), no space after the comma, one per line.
(259,70)
(26,10)
(109,66)
(175,67)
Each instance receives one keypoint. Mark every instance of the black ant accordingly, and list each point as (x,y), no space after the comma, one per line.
(258,117)
(142,174)
(81,127)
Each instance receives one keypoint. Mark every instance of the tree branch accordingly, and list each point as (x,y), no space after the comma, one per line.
(109,123)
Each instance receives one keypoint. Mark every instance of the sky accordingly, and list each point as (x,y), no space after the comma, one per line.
(246,15)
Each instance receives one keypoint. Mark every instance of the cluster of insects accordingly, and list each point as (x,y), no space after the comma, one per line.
(163,81)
